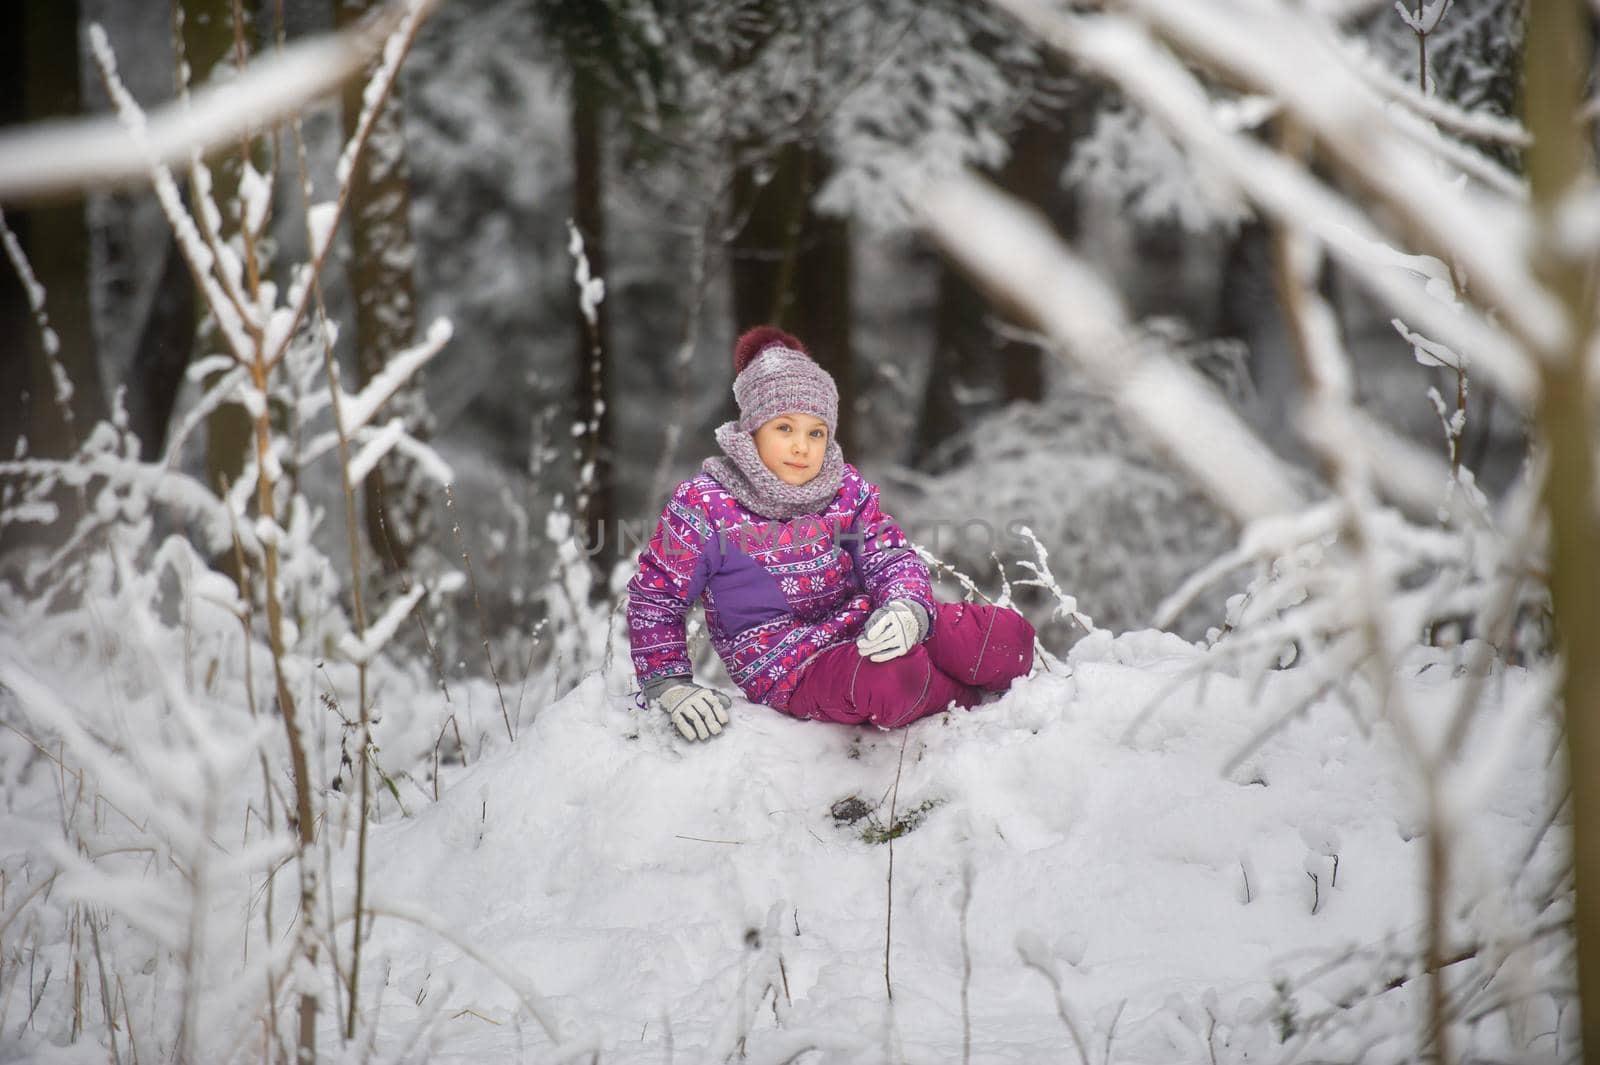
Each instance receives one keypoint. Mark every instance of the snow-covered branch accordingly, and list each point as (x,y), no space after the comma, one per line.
(371,644)
(591,289)
(357,410)
(57,157)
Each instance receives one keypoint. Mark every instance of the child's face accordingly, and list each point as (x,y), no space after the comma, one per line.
(792,446)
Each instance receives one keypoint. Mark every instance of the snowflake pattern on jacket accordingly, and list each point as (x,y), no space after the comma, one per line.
(777,593)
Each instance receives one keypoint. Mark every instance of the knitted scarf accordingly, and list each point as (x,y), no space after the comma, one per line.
(749,481)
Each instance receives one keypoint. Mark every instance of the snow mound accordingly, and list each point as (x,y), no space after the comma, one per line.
(666,898)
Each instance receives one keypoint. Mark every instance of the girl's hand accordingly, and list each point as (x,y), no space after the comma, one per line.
(698,712)
(893,629)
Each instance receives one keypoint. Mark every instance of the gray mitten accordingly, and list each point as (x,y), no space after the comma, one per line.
(698,712)
(893,629)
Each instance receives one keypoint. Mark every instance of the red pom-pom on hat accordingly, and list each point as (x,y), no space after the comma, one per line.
(759,339)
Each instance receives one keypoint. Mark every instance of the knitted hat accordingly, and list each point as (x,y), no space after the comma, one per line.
(774,374)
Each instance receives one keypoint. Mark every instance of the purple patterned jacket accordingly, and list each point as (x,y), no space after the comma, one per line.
(776,592)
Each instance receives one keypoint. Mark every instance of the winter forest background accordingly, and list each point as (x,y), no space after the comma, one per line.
(1244,345)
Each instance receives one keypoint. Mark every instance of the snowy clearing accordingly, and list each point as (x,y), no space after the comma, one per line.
(645,888)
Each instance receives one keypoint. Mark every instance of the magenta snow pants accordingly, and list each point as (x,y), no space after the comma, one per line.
(973,649)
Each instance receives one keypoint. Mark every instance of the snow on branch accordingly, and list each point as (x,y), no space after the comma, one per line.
(357,410)
(153,484)
(382,631)
(427,460)
(224,389)
(397,39)
(1427,19)
(1011,252)
(1150,75)
(1269,538)
(376,447)
(54,157)
(375,444)
(1348,438)
(36,294)
(591,290)
(1428,352)
(1343,11)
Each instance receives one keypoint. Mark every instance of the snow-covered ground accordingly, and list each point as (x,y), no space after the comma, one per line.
(661,901)
(1102,866)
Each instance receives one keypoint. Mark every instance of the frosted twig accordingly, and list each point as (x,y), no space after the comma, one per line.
(967,876)
(1041,655)
(1066,605)
(1033,957)
(1111,1031)
(888,915)
(1328,367)
(1475,165)
(1259,541)
(359,409)
(483,622)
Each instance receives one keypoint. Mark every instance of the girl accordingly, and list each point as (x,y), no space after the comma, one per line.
(815,603)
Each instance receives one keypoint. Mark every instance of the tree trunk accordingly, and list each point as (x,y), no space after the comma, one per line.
(595,502)
(966,350)
(39,54)
(819,312)
(1039,151)
(208,41)
(165,342)
(1559,166)
(963,352)
(383,256)
(791,266)
(769,198)
(55,238)
(16,322)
